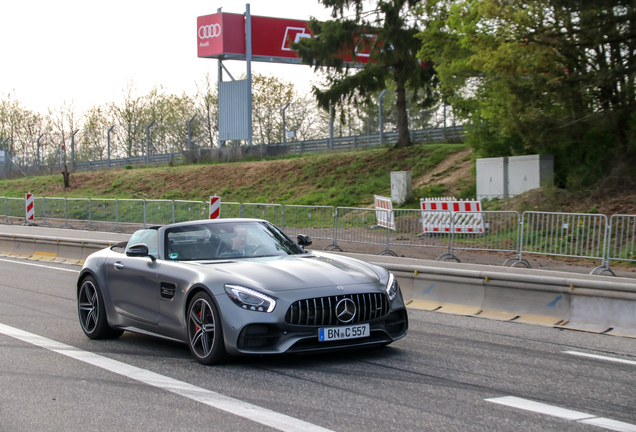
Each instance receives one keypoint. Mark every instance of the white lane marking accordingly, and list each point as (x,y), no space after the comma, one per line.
(610,424)
(216,400)
(581,417)
(40,265)
(541,408)
(617,360)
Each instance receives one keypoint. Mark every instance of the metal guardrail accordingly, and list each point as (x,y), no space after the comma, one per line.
(576,235)
(338,143)
(362,141)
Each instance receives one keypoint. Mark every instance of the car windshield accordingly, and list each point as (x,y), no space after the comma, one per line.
(223,240)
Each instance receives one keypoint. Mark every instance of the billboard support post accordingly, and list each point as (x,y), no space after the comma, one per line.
(248,55)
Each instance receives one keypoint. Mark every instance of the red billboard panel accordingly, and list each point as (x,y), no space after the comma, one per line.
(222,35)
(271,37)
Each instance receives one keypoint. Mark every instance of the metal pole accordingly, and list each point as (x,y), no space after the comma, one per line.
(190,132)
(444,120)
(330,127)
(248,55)
(148,141)
(381,122)
(109,131)
(284,126)
(7,165)
(73,148)
(39,150)
(218,101)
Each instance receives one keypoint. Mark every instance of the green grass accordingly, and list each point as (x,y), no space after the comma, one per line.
(348,179)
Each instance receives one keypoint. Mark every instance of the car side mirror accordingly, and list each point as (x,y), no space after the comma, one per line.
(303,240)
(139,250)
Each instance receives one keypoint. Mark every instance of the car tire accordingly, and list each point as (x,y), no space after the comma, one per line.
(92,311)
(205,331)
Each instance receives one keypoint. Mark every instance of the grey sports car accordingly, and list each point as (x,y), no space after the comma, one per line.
(237,287)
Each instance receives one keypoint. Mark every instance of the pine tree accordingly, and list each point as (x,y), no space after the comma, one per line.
(388,34)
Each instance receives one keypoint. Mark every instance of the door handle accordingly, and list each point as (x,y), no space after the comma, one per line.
(119,265)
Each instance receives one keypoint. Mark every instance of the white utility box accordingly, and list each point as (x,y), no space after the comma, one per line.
(401,186)
(507,177)
(529,172)
(491,178)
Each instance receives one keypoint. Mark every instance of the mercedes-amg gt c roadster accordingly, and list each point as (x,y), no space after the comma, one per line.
(237,287)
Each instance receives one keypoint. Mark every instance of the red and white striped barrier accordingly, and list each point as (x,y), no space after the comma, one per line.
(215,207)
(384,212)
(437,215)
(29,209)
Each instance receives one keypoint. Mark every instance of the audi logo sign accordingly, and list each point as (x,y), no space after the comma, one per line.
(209,31)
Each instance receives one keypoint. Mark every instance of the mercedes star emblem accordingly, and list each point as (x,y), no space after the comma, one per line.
(345,310)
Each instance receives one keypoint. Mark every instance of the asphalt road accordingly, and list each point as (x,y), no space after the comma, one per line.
(450,373)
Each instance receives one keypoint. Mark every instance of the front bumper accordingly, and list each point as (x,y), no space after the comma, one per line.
(279,338)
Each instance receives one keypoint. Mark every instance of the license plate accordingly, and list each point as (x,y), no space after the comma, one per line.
(343,332)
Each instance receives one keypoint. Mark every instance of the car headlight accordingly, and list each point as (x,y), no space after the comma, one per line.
(250,299)
(392,287)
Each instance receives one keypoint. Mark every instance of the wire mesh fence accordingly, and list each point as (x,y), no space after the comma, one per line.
(360,225)
(622,238)
(15,208)
(78,210)
(189,210)
(318,222)
(131,211)
(38,211)
(270,212)
(486,231)
(103,210)
(159,212)
(231,210)
(55,210)
(576,235)
(421,229)
(564,234)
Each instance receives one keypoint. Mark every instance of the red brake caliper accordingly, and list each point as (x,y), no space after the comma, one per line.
(196,326)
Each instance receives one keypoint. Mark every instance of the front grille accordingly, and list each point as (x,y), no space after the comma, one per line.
(322,310)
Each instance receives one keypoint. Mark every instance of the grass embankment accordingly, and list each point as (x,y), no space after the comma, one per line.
(339,179)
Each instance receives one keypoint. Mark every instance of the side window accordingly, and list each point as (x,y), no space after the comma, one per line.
(148,237)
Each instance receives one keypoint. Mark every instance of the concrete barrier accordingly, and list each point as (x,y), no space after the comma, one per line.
(589,303)
(564,300)
(47,248)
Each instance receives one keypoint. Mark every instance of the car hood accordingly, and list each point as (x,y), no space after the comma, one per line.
(292,272)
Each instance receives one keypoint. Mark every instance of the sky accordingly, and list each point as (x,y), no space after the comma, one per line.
(84,52)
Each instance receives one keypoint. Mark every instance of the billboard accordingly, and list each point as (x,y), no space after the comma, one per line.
(222,35)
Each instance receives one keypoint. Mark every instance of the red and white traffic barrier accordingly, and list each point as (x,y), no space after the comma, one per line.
(384,212)
(29,209)
(215,207)
(438,215)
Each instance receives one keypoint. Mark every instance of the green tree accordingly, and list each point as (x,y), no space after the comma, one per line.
(22,126)
(387,32)
(541,76)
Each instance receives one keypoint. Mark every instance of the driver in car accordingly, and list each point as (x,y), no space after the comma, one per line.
(239,242)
